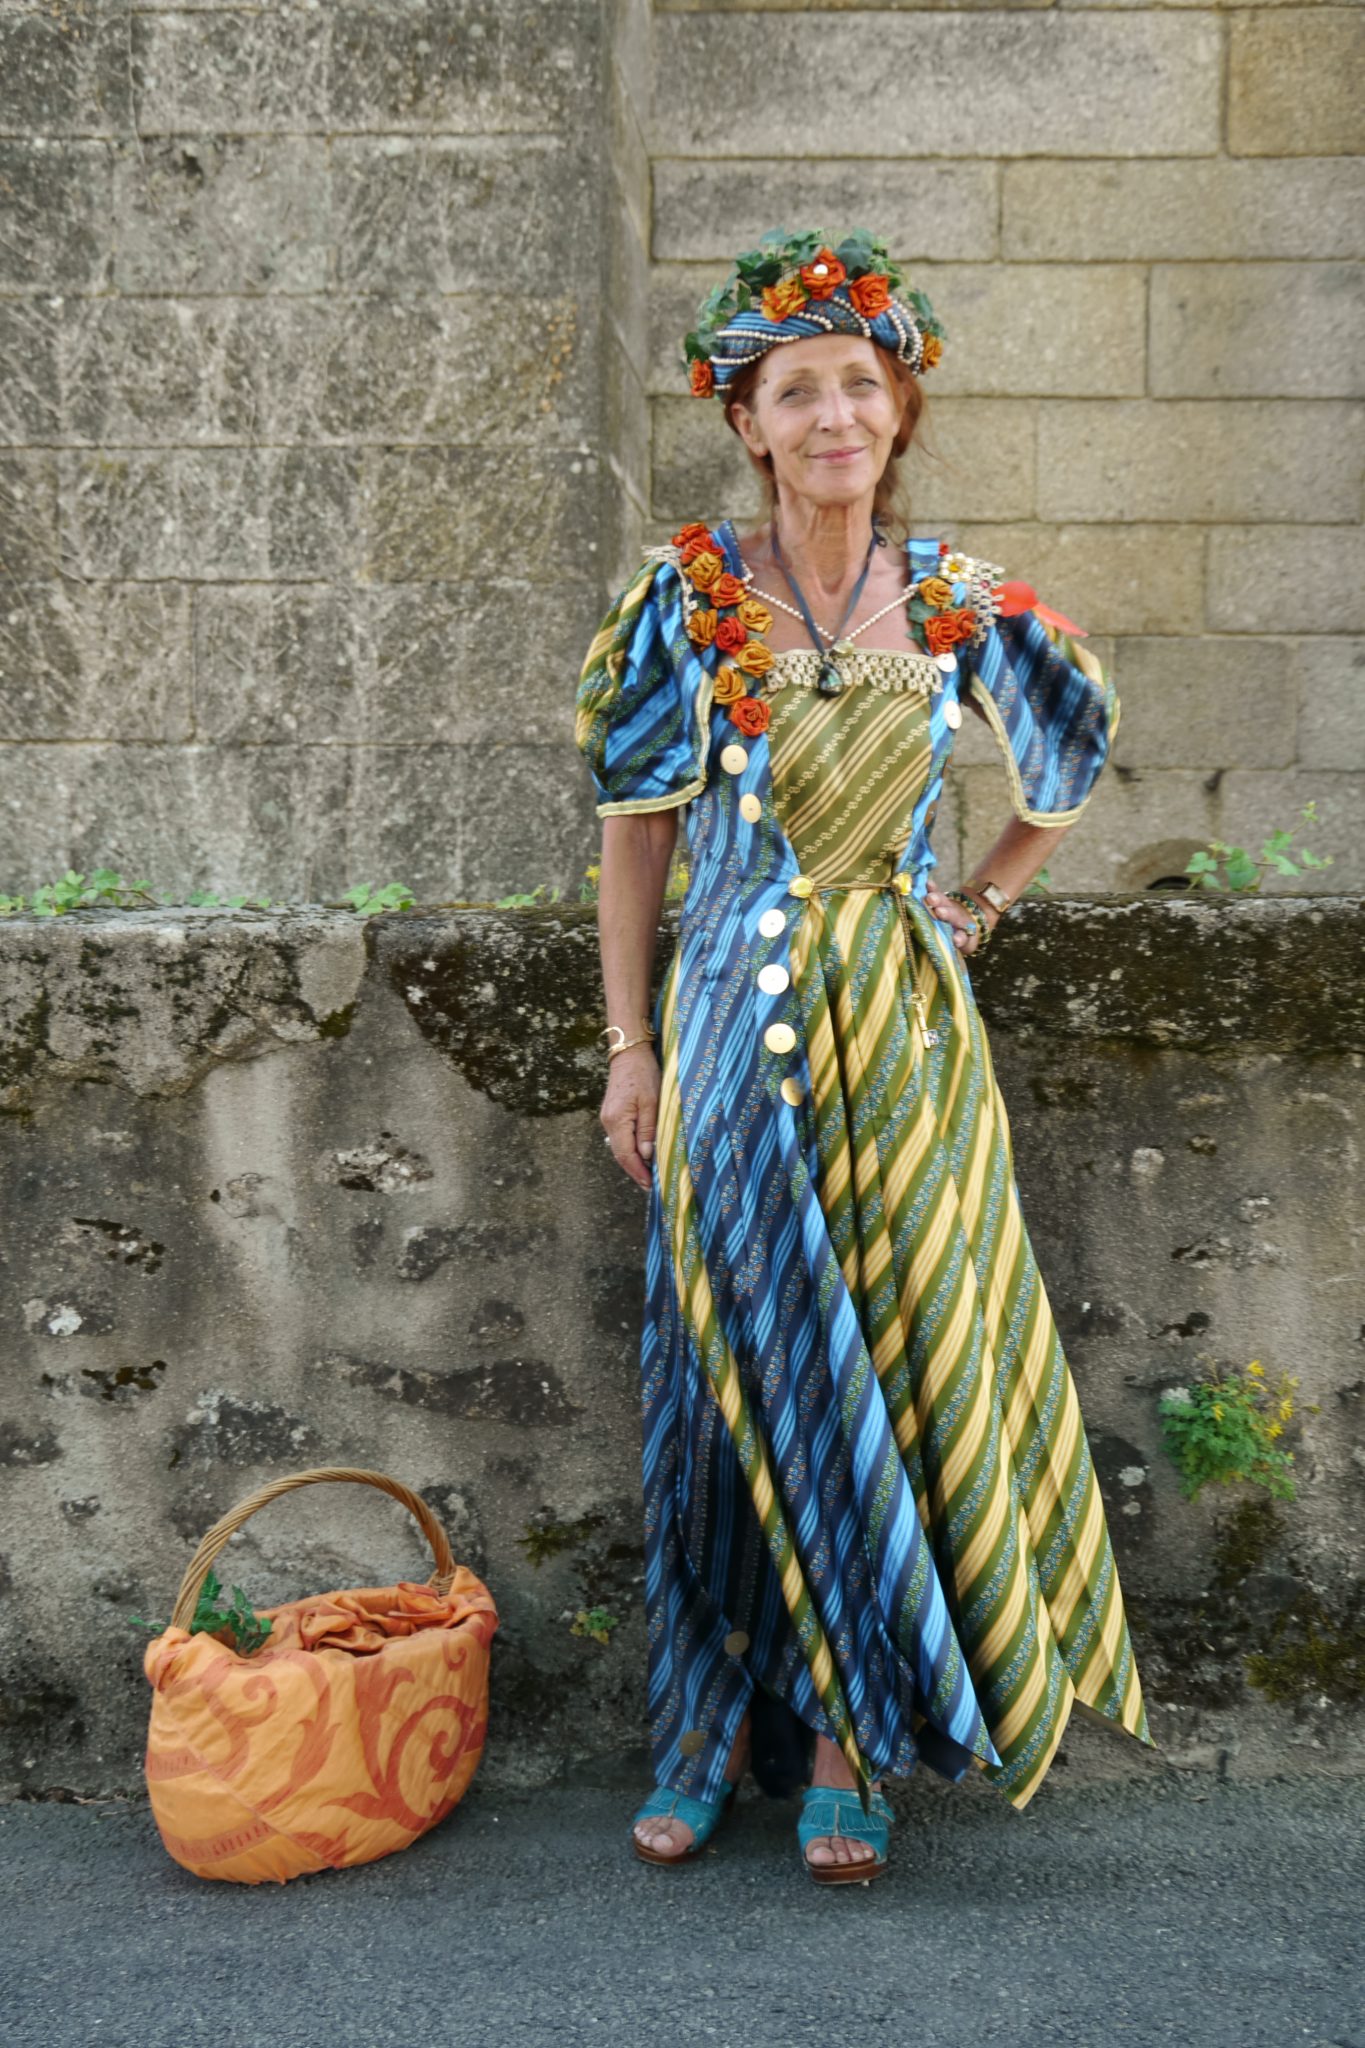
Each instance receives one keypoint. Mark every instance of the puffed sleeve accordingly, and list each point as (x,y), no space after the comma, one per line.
(642,710)
(1047,699)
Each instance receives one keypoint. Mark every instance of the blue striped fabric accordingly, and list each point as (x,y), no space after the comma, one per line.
(783,1541)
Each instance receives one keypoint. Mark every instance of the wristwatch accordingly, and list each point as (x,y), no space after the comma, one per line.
(992,893)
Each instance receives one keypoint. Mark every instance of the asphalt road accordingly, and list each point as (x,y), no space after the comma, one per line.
(1189,1910)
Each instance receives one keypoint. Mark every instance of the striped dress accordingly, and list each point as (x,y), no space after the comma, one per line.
(867,1484)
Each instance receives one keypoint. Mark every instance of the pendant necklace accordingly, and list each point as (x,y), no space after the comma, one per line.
(830,682)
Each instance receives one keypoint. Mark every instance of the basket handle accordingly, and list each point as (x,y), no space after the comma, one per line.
(198,1568)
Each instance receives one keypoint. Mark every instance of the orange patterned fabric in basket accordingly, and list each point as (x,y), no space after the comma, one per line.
(356,1728)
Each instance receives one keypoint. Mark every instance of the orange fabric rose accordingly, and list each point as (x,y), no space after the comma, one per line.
(936,590)
(730,636)
(754,615)
(754,658)
(701,628)
(965,622)
(703,380)
(940,633)
(694,531)
(751,715)
(870,295)
(729,685)
(726,589)
(704,569)
(834,274)
(933,349)
(781,299)
(703,543)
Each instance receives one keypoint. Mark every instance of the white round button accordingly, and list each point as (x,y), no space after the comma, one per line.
(779,1038)
(750,807)
(772,923)
(734,759)
(792,1091)
(952,713)
(947,662)
(773,978)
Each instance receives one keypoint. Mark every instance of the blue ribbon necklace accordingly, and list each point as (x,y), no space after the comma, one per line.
(830,682)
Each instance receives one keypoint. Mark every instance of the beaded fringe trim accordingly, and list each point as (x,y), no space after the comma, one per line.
(876,668)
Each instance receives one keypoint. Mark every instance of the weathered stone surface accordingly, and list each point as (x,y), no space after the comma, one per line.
(926,211)
(1331,703)
(1184,1130)
(1294,82)
(1207,703)
(1287,579)
(1215,210)
(28,513)
(1212,323)
(56,212)
(1092,83)
(95,661)
(1199,460)
(63,75)
(1128,578)
(215,212)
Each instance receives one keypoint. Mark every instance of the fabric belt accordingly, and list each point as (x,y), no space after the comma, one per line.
(913,933)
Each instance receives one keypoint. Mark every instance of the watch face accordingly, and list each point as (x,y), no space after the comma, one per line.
(994,895)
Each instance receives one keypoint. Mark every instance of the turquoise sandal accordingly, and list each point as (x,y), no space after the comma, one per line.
(701,1815)
(826,1811)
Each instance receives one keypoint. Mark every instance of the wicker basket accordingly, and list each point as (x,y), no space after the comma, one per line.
(352,1731)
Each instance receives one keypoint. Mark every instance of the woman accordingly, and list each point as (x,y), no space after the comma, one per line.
(870,1505)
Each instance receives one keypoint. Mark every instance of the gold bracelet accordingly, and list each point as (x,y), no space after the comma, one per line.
(976,913)
(623,1041)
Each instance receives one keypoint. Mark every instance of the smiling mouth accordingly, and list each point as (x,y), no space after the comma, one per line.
(833,454)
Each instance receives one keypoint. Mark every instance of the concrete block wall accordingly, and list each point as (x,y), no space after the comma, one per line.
(337,396)
(300,1190)
(1142,227)
(318,447)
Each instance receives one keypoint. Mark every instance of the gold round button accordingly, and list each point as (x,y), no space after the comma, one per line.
(772,923)
(750,807)
(736,1643)
(904,884)
(800,885)
(779,1038)
(734,760)
(792,1091)
(952,713)
(690,1743)
(773,978)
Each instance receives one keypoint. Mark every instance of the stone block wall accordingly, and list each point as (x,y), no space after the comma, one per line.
(281,1192)
(337,396)
(1142,227)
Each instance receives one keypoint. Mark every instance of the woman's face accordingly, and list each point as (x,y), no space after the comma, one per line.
(825,410)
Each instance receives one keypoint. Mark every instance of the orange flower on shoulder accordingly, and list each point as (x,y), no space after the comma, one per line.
(823,275)
(870,295)
(965,622)
(704,568)
(754,658)
(933,349)
(751,715)
(701,628)
(779,300)
(730,636)
(726,589)
(703,543)
(694,531)
(703,380)
(754,615)
(729,685)
(940,633)
(936,590)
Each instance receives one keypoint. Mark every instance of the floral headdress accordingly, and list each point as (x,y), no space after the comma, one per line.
(795,285)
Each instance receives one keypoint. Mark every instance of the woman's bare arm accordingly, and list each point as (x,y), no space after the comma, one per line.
(1012,862)
(636,853)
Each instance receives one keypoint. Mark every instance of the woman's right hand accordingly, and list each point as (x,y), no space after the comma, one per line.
(630,1111)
